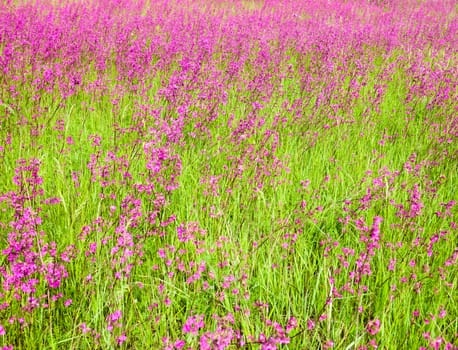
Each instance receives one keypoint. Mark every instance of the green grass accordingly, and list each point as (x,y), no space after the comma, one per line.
(244,229)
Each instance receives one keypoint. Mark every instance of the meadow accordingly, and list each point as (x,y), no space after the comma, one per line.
(217,174)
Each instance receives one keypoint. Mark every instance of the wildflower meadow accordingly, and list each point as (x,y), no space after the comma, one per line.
(215,174)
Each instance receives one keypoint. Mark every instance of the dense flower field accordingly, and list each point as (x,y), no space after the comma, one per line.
(228,174)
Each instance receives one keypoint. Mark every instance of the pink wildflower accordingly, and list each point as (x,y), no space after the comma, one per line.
(193,324)
(373,327)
